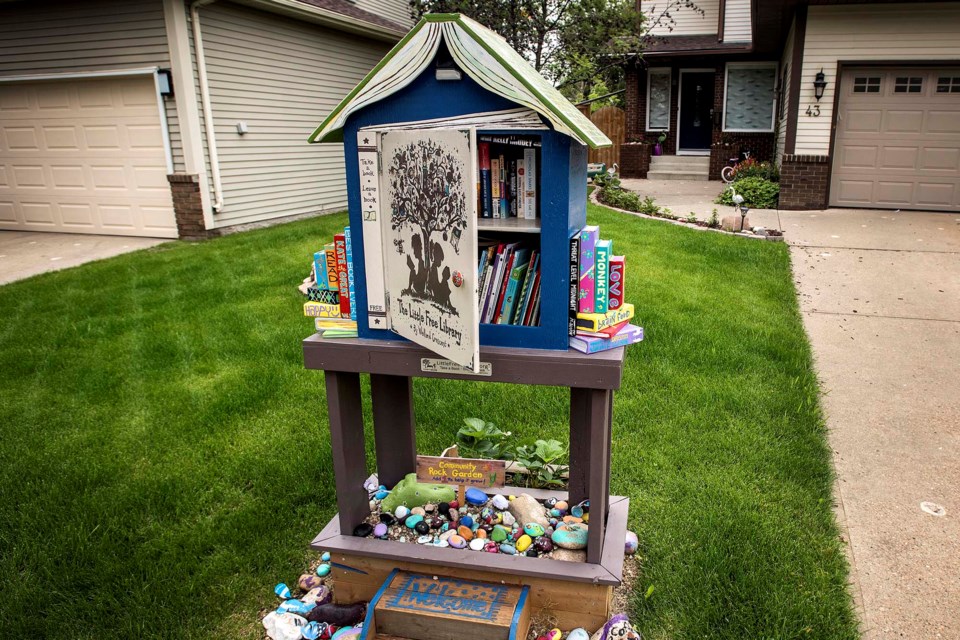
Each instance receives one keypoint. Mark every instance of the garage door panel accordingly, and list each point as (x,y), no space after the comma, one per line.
(897,149)
(84,156)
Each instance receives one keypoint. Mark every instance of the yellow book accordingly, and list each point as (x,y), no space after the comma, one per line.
(321,310)
(322,324)
(598,321)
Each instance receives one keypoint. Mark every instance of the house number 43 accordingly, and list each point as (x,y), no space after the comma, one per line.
(813,111)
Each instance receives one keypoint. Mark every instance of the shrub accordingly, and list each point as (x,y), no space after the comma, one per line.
(758,193)
(750,168)
(608,179)
(619,198)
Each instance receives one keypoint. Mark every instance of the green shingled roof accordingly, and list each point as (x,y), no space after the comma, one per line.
(484,56)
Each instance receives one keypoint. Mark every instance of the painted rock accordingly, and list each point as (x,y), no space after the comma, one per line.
(295,606)
(487,515)
(412,520)
(569,555)
(477,544)
(311,631)
(422,528)
(363,530)
(325,556)
(323,570)
(282,591)
(441,543)
(411,493)
(284,626)
(631,544)
(465,532)
(550,503)
(453,514)
(466,521)
(553,634)
(454,504)
(443,508)
(499,533)
(347,634)
(533,530)
(526,510)
(388,518)
(449,533)
(586,517)
(307,582)
(553,523)
(499,503)
(480,533)
(577,511)
(508,549)
(578,634)
(617,628)
(486,527)
(516,534)
(475,496)
(556,513)
(418,511)
(457,542)
(491,547)
(508,519)
(425,539)
(572,520)
(543,544)
(380,530)
(381,493)
(570,536)
(317,596)
(401,512)
(430,507)
(531,553)
(562,506)
(523,543)
(436,522)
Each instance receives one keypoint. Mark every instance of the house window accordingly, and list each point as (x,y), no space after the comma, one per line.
(658,100)
(912,84)
(750,97)
(866,84)
(948,84)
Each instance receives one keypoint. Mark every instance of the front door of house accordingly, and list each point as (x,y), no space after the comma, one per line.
(696,104)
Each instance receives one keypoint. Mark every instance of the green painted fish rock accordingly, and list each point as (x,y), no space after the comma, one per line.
(411,493)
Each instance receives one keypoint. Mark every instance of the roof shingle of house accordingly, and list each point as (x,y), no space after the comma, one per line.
(343,7)
(680,45)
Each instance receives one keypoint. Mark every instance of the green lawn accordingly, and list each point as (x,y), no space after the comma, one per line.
(165,457)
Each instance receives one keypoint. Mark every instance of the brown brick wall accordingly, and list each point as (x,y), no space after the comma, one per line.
(634,159)
(726,145)
(187,205)
(804,181)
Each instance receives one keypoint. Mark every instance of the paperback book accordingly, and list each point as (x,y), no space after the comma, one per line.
(629,334)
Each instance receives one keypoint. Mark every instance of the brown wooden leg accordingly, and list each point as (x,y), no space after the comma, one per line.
(599,429)
(346,440)
(579,484)
(393,427)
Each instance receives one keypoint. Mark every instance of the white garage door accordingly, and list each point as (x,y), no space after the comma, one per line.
(898,140)
(84,156)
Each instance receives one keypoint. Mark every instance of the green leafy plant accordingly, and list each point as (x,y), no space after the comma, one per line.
(750,168)
(481,439)
(607,180)
(619,198)
(692,218)
(649,207)
(758,193)
(546,462)
(714,222)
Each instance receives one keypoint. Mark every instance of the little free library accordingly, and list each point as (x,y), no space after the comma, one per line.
(467,257)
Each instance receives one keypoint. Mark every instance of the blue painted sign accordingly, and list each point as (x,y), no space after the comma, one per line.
(447,596)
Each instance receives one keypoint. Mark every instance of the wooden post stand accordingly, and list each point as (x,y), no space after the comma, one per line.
(365,563)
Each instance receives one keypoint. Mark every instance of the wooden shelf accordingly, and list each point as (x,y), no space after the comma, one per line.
(515,225)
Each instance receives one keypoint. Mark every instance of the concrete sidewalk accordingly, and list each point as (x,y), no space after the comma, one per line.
(880,297)
(27,253)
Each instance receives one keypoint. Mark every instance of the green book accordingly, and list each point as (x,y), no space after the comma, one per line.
(513,292)
(601,290)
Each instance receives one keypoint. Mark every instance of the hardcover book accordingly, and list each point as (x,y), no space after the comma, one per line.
(573,303)
(483,150)
(332,280)
(350,283)
(320,270)
(588,243)
(598,321)
(630,334)
(495,186)
(530,184)
(316,294)
(617,271)
(513,292)
(343,284)
(601,275)
(321,310)
(371,230)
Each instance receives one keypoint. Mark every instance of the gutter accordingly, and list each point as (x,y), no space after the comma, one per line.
(205,104)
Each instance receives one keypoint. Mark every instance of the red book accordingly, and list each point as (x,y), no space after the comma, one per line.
(534,296)
(615,289)
(609,332)
(343,284)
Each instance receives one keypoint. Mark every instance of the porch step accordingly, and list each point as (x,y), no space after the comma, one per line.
(677,175)
(426,607)
(687,162)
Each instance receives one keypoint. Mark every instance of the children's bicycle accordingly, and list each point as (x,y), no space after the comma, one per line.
(729,171)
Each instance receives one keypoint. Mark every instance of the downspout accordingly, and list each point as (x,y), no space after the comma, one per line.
(205,104)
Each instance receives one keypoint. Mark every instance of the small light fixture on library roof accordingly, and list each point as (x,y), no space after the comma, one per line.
(819,84)
(447,70)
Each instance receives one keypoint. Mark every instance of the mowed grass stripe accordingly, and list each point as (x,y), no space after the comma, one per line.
(166,460)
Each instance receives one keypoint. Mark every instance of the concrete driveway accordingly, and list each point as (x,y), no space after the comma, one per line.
(27,253)
(880,297)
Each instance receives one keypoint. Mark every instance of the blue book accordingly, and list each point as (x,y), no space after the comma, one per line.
(353,297)
(320,270)
(513,292)
(588,344)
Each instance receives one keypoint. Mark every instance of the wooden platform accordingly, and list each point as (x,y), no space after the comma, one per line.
(427,607)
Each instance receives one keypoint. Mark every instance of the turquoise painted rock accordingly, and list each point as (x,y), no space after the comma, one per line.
(410,493)
(508,549)
(325,556)
(570,536)
(323,570)
(533,530)
(411,521)
(578,634)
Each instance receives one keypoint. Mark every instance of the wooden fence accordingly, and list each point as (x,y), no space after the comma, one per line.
(612,121)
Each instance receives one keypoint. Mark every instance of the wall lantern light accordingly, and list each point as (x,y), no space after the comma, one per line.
(165,83)
(819,84)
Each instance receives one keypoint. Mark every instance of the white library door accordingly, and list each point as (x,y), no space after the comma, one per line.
(428,201)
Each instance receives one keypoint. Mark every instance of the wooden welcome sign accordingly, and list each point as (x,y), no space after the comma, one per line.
(462,472)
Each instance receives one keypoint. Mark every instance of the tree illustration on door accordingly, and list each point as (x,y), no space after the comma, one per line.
(428,198)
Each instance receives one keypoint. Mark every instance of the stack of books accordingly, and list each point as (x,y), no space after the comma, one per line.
(507,176)
(600,317)
(331,299)
(508,278)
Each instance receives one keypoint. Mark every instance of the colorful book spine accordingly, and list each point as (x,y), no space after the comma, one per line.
(520,189)
(504,283)
(530,184)
(321,310)
(340,247)
(525,289)
(513,293)
(588,243)
(513,188)
(495,186)
(332,280)
(602,276)
(573,304)
(528,316)
(316,294)
(320,269)
(350,282)
(617,270)
(630,334)
(483,150)
(595,322)
(504,185)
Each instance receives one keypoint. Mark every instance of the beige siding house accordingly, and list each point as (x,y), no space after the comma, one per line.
(858,102)
(176,118)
